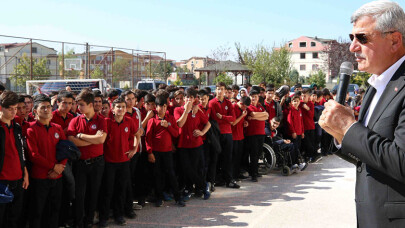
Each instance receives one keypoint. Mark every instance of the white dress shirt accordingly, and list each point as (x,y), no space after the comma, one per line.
(379,82)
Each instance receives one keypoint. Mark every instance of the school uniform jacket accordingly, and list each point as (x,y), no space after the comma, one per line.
(378,151)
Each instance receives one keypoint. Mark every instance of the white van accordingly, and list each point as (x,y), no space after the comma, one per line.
(149,84)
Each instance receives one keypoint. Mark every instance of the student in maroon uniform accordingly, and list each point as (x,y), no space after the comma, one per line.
(257,115)
(178,98)
(190,119)
(229,92)
(88,132)
(46,171)
(62,115)
(222,112)
(235,91)
(30,103)
(106,109)
(74,109)
(210,155)
(271,105)
(296,129)
(118,150)
(135,115)
(112,95)
(143,172)
(307,109)
(237,133)
(161,129)
(12,166)
(21,115)
(98,102)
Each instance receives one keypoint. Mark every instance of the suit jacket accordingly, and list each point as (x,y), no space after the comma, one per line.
(378,151)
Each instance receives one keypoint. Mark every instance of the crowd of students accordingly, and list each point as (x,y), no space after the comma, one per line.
(66,155)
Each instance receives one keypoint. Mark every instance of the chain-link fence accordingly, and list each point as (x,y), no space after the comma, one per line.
(23,59)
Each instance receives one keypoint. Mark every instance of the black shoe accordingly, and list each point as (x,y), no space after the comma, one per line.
(180,203)
(242,177)
(316,159)
(120,221)
(254,179)
(232,184)
(130,214)
(259,175)
(103,223)
(159,203)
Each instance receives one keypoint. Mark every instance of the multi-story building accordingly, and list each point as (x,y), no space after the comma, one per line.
(11,54)
(196,62)
(308,56)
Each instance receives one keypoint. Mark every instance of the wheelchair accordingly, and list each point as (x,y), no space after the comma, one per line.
(274,157)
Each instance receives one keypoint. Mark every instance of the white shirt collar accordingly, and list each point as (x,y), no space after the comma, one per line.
(379,82)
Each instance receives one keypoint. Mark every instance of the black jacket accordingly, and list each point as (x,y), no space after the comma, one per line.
(18,144)
(378,151)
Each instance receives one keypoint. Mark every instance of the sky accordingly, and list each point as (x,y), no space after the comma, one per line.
(180,28)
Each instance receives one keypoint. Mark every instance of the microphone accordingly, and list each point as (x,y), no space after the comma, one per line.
(346,70)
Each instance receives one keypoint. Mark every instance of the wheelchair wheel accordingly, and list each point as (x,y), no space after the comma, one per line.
(269,157)
(286,171)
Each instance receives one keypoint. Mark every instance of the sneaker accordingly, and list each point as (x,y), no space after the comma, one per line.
(159,203)
(208,187)
(167,197)
(254,179)
(120,221)
(130,214)
(303,166)
(103,223)
(180,203)
(316,159)
(141,202)
(232,184)
(186,195)
(207,195)
(137,207)
(295,166)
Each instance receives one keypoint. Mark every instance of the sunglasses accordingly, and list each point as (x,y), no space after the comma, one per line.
(363,38)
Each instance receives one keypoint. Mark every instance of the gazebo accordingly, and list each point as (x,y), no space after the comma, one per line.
(226,66)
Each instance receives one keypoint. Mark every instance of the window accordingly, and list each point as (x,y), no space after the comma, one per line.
(313,44)
(314,55)
(302,55)
(290,45)
(315,67)
(99,58)
(302,67)
(34,50)
(1,49)
(48,62)
(303,44)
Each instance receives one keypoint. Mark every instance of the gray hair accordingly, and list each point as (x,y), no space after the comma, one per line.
(389,16)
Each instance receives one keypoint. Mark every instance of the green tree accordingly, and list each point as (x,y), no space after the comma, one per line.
(22,71)
(178,82)
(97,73)
(318,78)
(121,69)
(294,76)
(361,79)
(160,71)
(223,77)
(267,64)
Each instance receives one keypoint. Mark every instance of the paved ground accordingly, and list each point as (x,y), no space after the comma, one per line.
(321,196)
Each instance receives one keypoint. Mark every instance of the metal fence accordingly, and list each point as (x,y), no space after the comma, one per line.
(24,59)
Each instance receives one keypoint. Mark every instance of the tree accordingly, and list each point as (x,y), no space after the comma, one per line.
(160,71)
(338,52)
(121,69)
(361,79)
(178,82)
(294,75)
(223,77)
(22,71)
(97,73)
(318,78)
(267,64)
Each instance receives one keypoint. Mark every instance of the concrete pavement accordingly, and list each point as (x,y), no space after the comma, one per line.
(321,196)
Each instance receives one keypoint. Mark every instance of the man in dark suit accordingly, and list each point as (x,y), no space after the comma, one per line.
(376,142)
